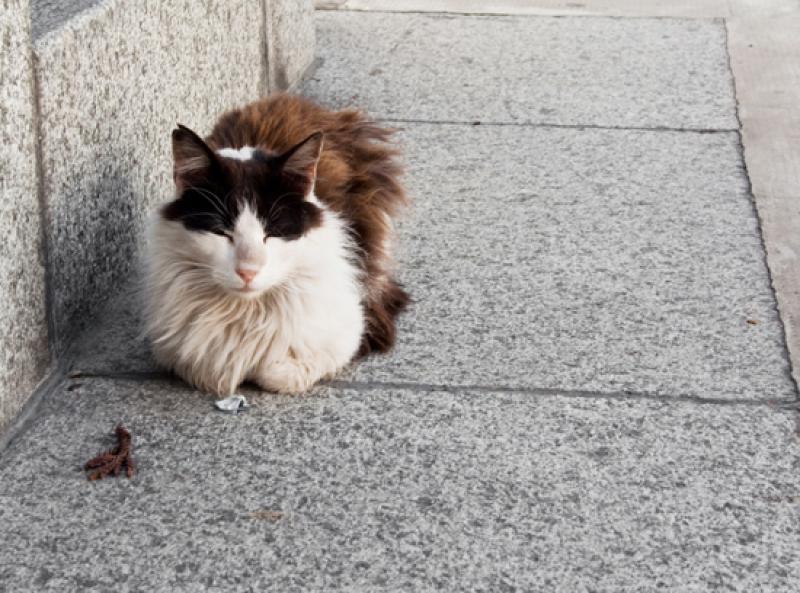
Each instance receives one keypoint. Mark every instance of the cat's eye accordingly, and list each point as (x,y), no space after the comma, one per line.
(225,234)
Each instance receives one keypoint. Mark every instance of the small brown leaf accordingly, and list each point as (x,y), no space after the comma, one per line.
(112,461)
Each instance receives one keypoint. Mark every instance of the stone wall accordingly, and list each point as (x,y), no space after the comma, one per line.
(23,327)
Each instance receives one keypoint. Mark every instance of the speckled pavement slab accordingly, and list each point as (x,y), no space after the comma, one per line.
(590,392)
(524,69)
(585,259)
(398,490)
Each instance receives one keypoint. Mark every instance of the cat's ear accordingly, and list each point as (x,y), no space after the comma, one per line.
(192,158)
(299,163)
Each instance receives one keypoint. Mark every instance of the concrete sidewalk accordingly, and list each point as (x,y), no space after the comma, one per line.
(591,393)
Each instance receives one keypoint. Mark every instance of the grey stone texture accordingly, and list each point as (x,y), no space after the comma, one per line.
(393,490)
(764,57)
(291,40)
(556,258)
(613,8)
(113,82)
(598,71)
(552,258)
(47,15)
(116,344)
(23,325)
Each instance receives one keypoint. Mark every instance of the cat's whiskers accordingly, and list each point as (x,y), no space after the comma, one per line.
(210,196)
(275,204)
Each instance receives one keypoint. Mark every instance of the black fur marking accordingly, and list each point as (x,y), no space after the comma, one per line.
(212,195)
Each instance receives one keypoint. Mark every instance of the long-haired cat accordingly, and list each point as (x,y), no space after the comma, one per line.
(273,262)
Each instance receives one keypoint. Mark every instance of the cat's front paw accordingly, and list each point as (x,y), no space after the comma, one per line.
(289,377)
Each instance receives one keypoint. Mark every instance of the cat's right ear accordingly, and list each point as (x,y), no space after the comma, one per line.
(193,160)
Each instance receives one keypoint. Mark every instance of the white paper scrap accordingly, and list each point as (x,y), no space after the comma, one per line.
(233,404)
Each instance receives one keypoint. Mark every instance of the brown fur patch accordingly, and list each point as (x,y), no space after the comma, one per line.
(357,176)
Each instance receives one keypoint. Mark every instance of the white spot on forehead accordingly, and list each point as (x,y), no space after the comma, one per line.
(248,224)
(245,153)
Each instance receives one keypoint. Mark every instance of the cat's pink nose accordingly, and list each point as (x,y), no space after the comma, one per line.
(246,275)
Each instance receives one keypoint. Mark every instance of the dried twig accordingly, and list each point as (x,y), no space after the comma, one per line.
(112,461)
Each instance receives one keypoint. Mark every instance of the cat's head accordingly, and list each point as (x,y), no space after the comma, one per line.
(240,212)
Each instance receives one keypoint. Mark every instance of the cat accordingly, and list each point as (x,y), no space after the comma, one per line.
(273,263)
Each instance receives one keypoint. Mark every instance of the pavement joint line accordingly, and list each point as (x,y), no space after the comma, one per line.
(54,378)
(141,376)
(124,375)
(559,392)
(478,123)
(446,13)
(757,214)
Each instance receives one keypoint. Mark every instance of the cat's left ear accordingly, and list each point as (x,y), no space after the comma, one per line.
(299,163)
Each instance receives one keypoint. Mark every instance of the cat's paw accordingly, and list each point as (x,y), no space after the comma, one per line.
(289,377)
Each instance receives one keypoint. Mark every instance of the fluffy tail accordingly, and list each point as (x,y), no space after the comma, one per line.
(381,313)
